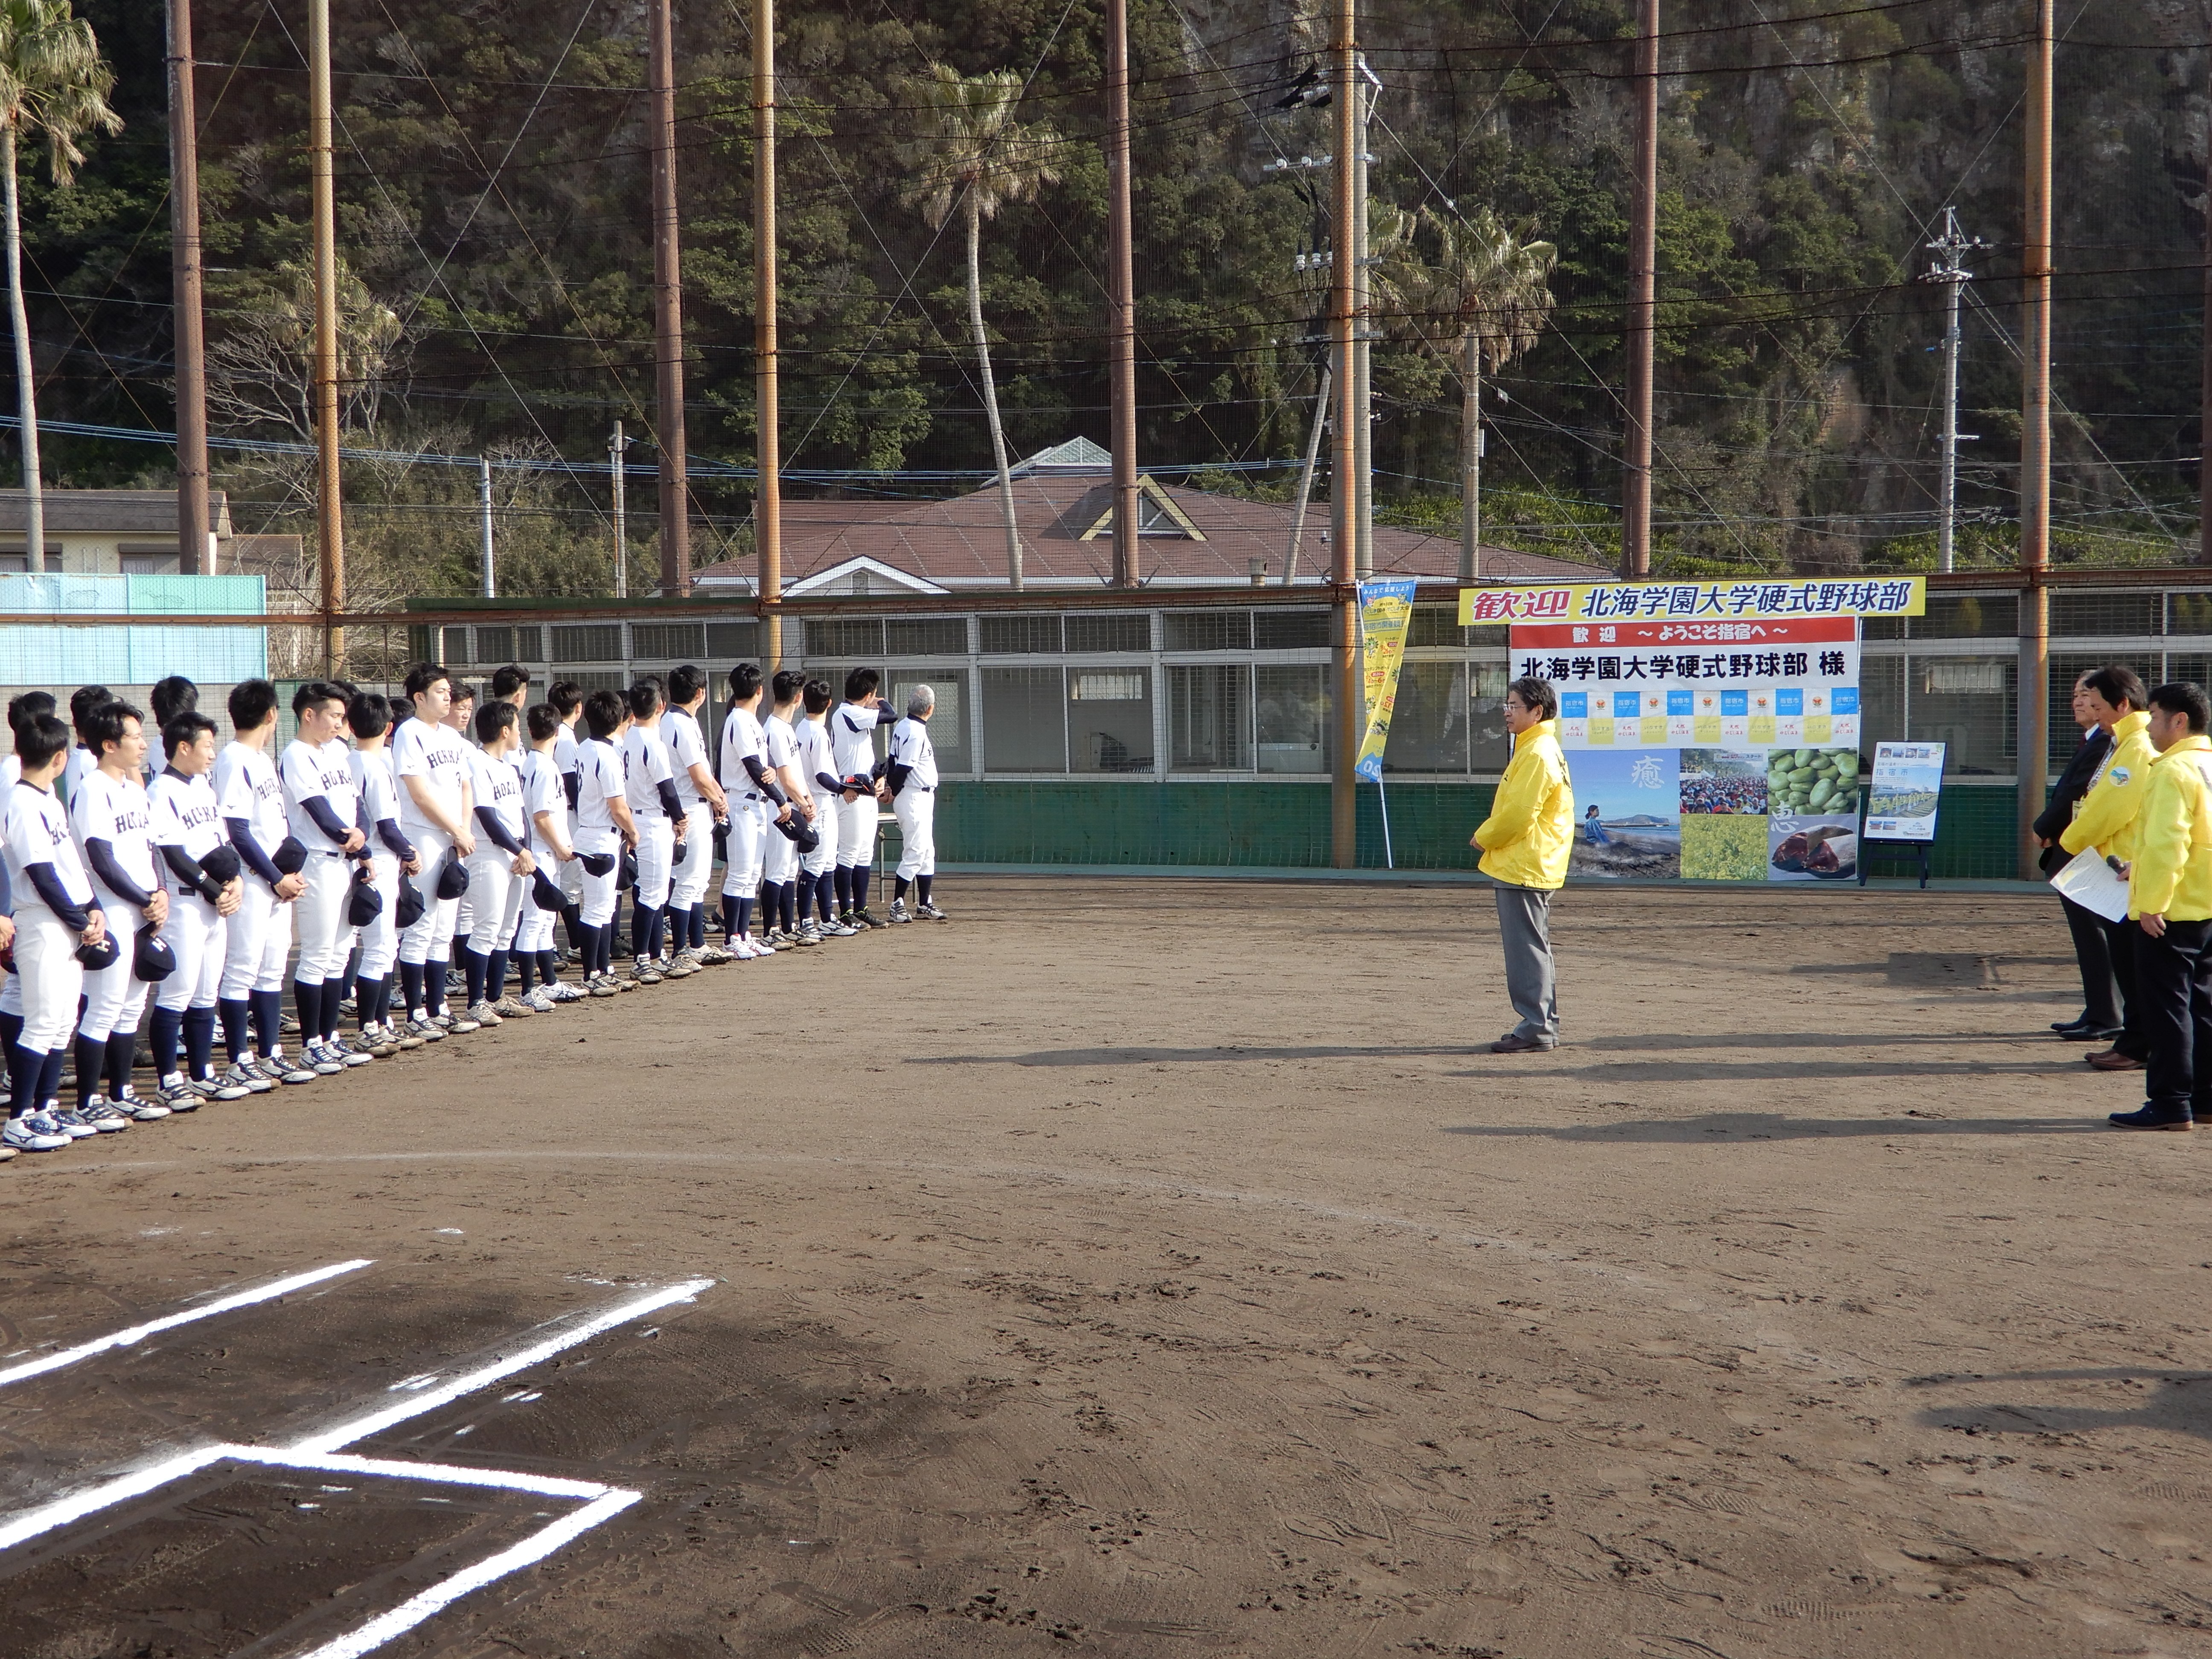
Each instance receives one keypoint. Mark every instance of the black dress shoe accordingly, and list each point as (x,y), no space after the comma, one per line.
(2090,1033)
(2149,1117)
(1513,1044)
(2076,1023)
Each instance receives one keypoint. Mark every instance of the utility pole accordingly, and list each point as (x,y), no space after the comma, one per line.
(2032,758)
(1949,249)
(1643,301)
(618,460)
(2204,423)
(1306,477)
(194,549)
(1343,321)
(668,305)
(329,507)
(1363,333)
(483,507)
(1121,296)
(768,502)
(1470,456)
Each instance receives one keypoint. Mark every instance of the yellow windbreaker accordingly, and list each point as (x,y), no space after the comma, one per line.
(1530,831)
(2172,872)
(2106,819)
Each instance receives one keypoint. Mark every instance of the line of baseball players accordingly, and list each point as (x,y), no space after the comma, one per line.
(404,859)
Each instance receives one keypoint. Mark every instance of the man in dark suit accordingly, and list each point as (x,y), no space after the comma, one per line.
(2099,1019)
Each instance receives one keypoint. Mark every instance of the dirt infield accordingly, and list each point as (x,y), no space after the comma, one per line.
(1152,1268)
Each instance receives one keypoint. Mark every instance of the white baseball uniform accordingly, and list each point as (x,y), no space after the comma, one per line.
(820,768)
(36,831)
(916,804)
(115,810)
(687,747)
(497,890)
(852,747)
(185,817)
(436,755)
(379,804)
(542,792)
(599,780)
(645,767)
(750,810)
(260,929)
(780,863)
(565,751)
(314,772)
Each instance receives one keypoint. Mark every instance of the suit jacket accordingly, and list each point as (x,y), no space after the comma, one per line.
(2073,783)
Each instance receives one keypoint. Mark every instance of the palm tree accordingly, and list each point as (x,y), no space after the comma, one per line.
(53,85)
(1483,300)
(974,156)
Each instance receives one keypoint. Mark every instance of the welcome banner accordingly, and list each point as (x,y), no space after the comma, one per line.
(1386,616)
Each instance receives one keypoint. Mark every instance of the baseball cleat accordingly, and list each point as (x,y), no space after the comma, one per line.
(104,1118)
(72,1123)
(135,1107)
(898,912)
(929,912)
(34,1131)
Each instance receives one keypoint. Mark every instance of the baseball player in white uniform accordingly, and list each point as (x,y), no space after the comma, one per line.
(390,855)
(500,870)
(260,931)
(567,699)
(83,757)
(113,822)
(545,804)
(55,915)
(780,876)
(704,806)
(603,829)
(437,813)
(754,794)
(817,864)
(658,812)
(205,889)
(322,810)
(852,747)
(912,781)
(21,707)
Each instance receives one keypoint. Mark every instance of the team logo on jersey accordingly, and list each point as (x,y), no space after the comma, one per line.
(2119,776)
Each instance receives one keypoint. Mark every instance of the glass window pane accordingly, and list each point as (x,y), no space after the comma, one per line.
(495,645)
(1087,633)
(1881,702)
(530,644)
(2189,613)
(1109,718)
(1289,630)
(1490,745)
(1209,630)
(1437,624)
(1968,616)
(1021,636)
(2104,615)
(667,641)
(847,636)
(1428,726)
(1967,703)
(1024,723)
(1210,717)
(948,726)
(455,649)
(1290,706)
(926,636)
(587,642)
(729,641)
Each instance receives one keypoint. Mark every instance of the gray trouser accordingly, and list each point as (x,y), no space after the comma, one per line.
(1524,915)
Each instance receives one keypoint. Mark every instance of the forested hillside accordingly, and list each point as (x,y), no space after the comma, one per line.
(494,226)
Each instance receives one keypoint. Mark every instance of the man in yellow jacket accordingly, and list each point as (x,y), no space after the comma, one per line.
(1526,841)
(2170,897)
(2105,820)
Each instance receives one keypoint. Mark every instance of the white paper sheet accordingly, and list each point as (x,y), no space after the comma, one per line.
(2090,882)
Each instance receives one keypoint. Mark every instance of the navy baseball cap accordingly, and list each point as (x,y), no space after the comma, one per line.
(104,955)
(152,957)
(452,878)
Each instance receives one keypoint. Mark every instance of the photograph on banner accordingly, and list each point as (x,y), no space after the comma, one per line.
(1815,848)
(1725,814)
(1907,788)
(1800,781)
(1734,601)
(1627,816)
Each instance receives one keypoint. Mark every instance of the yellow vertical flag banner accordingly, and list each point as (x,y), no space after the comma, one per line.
(1386,617)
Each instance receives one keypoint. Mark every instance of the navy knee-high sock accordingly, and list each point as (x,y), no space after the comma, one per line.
(697,931)
(824,889)
(572,917)
(50,1074)
(549,972)
(235,1012)
(333,995)
(433,982)
(25,1067)
(899,886)
(494,976)
(410,983)
(786,898)
(842,882)
(745,908)
(473,968)
(365,992)
(921,887)
(805,907)
(11,1029)
(199,1043)
(163,1031)
(307,1003)
(729,915)
(267,1019)
(91,1062)
(861,874)
(122,1055)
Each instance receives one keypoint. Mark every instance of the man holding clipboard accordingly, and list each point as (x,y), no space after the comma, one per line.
(2107,822)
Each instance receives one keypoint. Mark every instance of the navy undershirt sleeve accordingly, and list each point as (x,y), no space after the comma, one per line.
(100,854)
(835,786)
(573,783)
(671,802)
(48,882)
(250,852)
(496,827)
(898,775)
(319,808)
(387,830)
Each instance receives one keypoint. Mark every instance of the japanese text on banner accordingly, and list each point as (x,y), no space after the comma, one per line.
(1386,616)
(1732,601)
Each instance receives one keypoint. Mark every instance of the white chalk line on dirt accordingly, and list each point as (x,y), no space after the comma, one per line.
(1650,1290)
(320,1452)
(135,1334)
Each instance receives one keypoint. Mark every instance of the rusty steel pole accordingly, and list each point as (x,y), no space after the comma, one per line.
(1121,297)
(195,552)
(668,305)
(1350,416)
(2032,758)
(1643,301)
(768,502)
(330,506)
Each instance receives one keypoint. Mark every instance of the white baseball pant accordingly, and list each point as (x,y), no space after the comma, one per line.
(380,940)
(856,830)
(115,997)
(432,935)
(11,996)
(198,935)
(779,854)
(533,928)
(51,977)
(687,888)
(599,894)
(656,853)
(259,939)
(498,893)
(916,812)
(828,811)
(326,935)
(749,836)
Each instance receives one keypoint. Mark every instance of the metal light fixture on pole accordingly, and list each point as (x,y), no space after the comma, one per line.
(668,305)
(329,520)
(2031,759)
(195,544)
